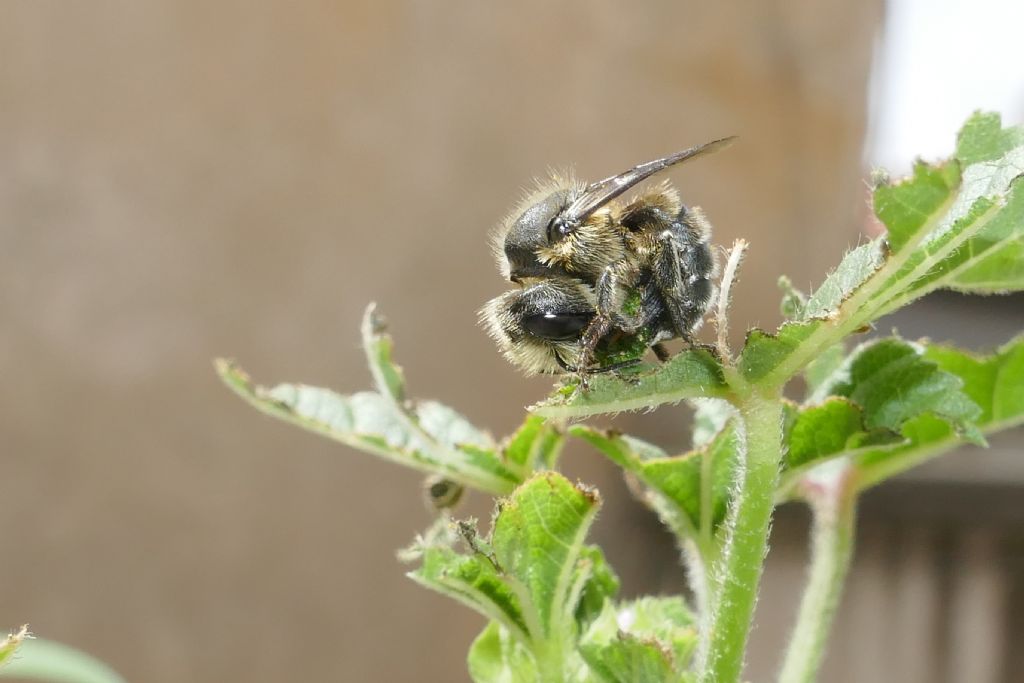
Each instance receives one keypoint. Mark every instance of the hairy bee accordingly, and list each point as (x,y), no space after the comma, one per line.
(601,281)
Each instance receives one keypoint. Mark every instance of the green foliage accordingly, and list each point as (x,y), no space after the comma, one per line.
(692,373)
(867,414)
(677,488)
(496,655)
(424,435)
(821,431)
(994,383)
(892,382)
(650,639)
(532,576)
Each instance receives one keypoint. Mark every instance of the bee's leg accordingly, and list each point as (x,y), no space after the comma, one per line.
(569,369)
(607,290)
(597,371)
(683,284)
(612,287)
(595,332)
(661,352)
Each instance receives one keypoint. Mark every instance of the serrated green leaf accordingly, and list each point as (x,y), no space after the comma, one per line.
(628,658)
(612,444)
(650,639)
(533,576)
(927,267)
(991,261)
(436,421)
(927,436)
(983,138)
(449,428)
(821,372)
(878,390)
(957,225)
(763,353)
(427,435)
(679,478)
(626,451)
(893,382)
(999,270)
(817,433)
(496,656)
(518,448)
(828,429)
(855,268)
(475,582)
(692,373)
(601,585)
(378,345)
(793,300)
(535,445)
(675,481)
(983,223)
(538,538)
(46,660)
(994,383)
(909,207)
(368,422)
(662,617)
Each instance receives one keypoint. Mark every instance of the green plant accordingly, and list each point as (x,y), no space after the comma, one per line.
(868,413)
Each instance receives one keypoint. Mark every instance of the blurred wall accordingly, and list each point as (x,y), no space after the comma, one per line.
(180,180)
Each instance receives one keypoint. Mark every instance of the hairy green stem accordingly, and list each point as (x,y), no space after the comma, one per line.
(833,499)
(738,573)
(697,565)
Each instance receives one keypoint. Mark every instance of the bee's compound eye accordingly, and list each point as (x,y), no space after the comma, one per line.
(557,326)
(558,228)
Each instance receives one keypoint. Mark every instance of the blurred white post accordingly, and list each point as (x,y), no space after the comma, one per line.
(938,61)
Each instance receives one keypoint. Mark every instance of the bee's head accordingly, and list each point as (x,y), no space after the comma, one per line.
(571,228)
(526,232)
(544,236)
(538,328)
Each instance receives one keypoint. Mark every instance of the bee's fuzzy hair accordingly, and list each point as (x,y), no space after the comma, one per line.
(529,353)
(662,195)
(541,188)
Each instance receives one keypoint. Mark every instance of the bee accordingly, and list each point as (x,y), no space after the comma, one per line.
(601,281)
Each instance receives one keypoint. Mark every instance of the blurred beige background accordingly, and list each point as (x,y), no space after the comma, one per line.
(185,180)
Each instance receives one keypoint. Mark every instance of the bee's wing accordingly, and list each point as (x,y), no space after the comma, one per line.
(598,194)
